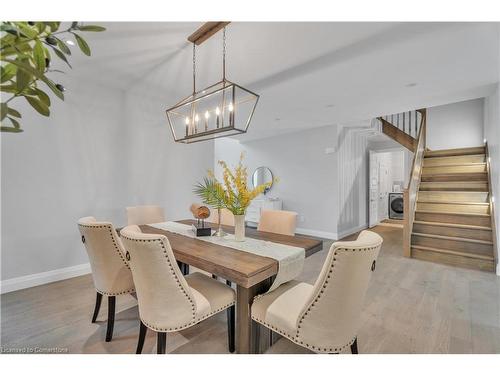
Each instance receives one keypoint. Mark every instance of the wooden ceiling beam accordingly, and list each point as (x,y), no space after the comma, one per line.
(206,31)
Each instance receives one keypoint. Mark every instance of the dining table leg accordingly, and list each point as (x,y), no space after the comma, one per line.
(246,332)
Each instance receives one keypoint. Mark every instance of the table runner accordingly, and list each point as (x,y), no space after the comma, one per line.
(290,258)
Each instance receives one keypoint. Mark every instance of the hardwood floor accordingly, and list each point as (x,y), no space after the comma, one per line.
(412,306)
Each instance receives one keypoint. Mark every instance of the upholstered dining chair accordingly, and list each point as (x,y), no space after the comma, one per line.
(278,221)
(110,271)
(324,317)
(226,217)
(139,215)
(168,301)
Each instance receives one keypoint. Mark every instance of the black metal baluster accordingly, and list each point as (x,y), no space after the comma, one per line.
(404,127)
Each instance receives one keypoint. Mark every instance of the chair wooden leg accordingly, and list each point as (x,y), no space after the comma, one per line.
(111,317)
(142,336)
(256,337)
(230,328)
(161,343)
(97,307)
(354,346)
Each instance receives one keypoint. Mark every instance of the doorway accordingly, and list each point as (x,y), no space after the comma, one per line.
(386,182)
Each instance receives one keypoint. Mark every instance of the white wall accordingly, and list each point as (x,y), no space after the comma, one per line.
(463,120)
(61,168)
(308,176)
(100,151)
(492,136)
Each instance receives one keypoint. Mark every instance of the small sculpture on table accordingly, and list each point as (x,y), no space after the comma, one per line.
(200,213)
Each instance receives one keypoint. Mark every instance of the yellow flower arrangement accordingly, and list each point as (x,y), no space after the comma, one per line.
(233,192)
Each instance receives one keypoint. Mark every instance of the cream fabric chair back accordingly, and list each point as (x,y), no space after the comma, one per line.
(330,318)
(226,217)
(140,215)
(110,270)
(166,302)
(278,221)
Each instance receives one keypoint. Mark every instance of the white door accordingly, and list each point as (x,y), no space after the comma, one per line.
(373,189)
(384,186)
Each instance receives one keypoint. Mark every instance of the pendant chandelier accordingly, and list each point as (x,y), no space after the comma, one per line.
(220,110)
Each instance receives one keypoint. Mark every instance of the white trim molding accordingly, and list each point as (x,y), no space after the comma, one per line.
(28,281)
(317,233)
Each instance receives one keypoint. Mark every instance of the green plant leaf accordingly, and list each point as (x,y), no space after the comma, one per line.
(4,26)
(53,25)
(61,56)
(16,123)
(38,105)
(9,88)
(3,110)
(82,44)
(39,56)
(23,77)
(39,75)
(8,72)
(27,30)
(63,47)
(43,96)
(13,112)
(41,26)
(8,129)
(91,28)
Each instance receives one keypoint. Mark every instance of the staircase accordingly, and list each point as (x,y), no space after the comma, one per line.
(452,223)
(448,208)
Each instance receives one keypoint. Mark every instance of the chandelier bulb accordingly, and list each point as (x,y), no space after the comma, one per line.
(187,120)
(207,115)
(230,107)
(217,111)
(196,118)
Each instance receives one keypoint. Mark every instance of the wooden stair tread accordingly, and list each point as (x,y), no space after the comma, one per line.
(451,225)
(461,239)
(454,174)
(453,252)
(456,152)
(453,202)
(453,213)
(481,164)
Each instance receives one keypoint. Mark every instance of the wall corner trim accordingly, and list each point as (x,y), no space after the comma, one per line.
(28,281)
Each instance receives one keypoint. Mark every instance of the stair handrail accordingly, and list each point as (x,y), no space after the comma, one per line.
(410,192)
(491,203)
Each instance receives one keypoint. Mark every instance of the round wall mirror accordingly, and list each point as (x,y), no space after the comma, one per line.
(262,175)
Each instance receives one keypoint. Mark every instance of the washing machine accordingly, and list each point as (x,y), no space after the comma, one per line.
(396,206)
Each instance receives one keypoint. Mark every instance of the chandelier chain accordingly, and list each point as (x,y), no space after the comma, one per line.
(224,54)
(194,68)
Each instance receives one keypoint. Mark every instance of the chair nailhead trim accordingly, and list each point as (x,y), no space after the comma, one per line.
(112,238)
(193,305)
(296,338)
(115,294)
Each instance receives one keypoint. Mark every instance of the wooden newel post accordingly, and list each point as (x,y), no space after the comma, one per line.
(406,224)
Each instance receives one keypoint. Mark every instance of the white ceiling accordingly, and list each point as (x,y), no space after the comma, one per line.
(308,74)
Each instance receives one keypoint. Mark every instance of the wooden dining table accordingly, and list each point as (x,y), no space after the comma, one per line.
(252,274)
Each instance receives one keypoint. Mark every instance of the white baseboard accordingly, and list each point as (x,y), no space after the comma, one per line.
(35,279)
(316,233)
(350,231)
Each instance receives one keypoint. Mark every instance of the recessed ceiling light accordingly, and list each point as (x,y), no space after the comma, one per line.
(70,42)
(277,119)
(330,105)
(412,84)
